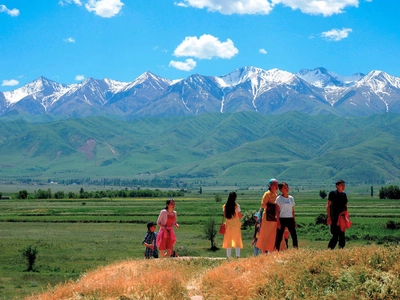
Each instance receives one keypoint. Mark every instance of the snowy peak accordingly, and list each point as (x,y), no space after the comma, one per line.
(150,79)
(39,88)
(376,77)
(114,86)
(321,78)
(255,75)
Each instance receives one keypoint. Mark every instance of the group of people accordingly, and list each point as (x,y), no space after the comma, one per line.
(165,239)
(273,223)
(276,215)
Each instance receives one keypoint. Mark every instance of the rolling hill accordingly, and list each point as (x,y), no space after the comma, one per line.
(245,148)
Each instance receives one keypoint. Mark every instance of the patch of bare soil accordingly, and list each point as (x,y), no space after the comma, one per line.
(88,148)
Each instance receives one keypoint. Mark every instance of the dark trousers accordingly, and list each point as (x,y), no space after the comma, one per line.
(337,234)
(289,224)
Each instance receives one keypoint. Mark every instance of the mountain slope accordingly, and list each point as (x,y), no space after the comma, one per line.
(245,147)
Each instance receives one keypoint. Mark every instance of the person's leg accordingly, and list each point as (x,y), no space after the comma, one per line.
(293,232)
(279,234)
(335,236)
(228,252)
(342,239)
(237,250)
(255,250)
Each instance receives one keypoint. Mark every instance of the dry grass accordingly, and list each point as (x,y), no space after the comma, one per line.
(358,273)
(370,272)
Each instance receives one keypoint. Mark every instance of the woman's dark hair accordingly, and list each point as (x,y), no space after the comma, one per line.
(168,202)
(282,184)
(230,205)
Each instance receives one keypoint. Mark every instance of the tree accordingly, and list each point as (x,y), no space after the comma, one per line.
(201,191)
(1,195)
(29,253)
(59,195)
(372,191)
(42,194)
(390,192)
(210,231)
(322,194)
(22,194)
(218,198)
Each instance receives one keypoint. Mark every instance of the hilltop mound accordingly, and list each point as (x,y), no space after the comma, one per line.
(370,272)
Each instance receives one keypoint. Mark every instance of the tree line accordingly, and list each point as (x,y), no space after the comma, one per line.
(82,194)
(389,192)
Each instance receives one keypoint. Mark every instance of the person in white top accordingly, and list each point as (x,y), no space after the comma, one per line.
(287,218)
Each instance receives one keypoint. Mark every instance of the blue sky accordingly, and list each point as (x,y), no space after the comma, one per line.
(70,40)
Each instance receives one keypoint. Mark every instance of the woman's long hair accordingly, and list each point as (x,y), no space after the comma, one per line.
(230,206)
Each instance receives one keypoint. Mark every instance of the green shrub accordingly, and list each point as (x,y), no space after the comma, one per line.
(29,253)
(321,219)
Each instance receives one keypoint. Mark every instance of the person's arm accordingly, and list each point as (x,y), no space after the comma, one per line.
(278,216)
(145,242)
(264,201)
(160,220)
(151,246)
(328,212)
(239,212)
(294,216)
(176,218)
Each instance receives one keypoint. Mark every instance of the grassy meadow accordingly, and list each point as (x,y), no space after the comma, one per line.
(74,237)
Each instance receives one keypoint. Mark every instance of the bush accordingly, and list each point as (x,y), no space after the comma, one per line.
(218,198)
(321,219)
(22,194)
(29,253)
(323,194)
(247,219)
(392,225)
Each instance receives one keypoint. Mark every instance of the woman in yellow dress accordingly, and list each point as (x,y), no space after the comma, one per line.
(233,234)
(267,236)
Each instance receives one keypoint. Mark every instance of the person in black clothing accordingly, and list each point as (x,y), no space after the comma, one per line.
(337,203)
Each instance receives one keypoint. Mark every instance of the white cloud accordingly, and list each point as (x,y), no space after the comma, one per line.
(336,34)
(104,8)
(11,82)
(262,51)
(180,4)
(317,7)
(227,7)
(187,65)
(69,40)
(79,77)
(12,12)
(206,47)
(65,2)
(157,48)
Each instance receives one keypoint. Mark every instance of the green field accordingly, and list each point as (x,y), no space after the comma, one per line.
(73,236)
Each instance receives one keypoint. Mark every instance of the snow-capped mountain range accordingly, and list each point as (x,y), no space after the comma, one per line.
(247,89)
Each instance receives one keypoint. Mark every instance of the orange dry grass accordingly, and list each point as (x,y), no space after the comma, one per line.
(140,279)
(369,272)
(359,273)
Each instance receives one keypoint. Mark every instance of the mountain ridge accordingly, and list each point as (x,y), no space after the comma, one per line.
(271,91)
